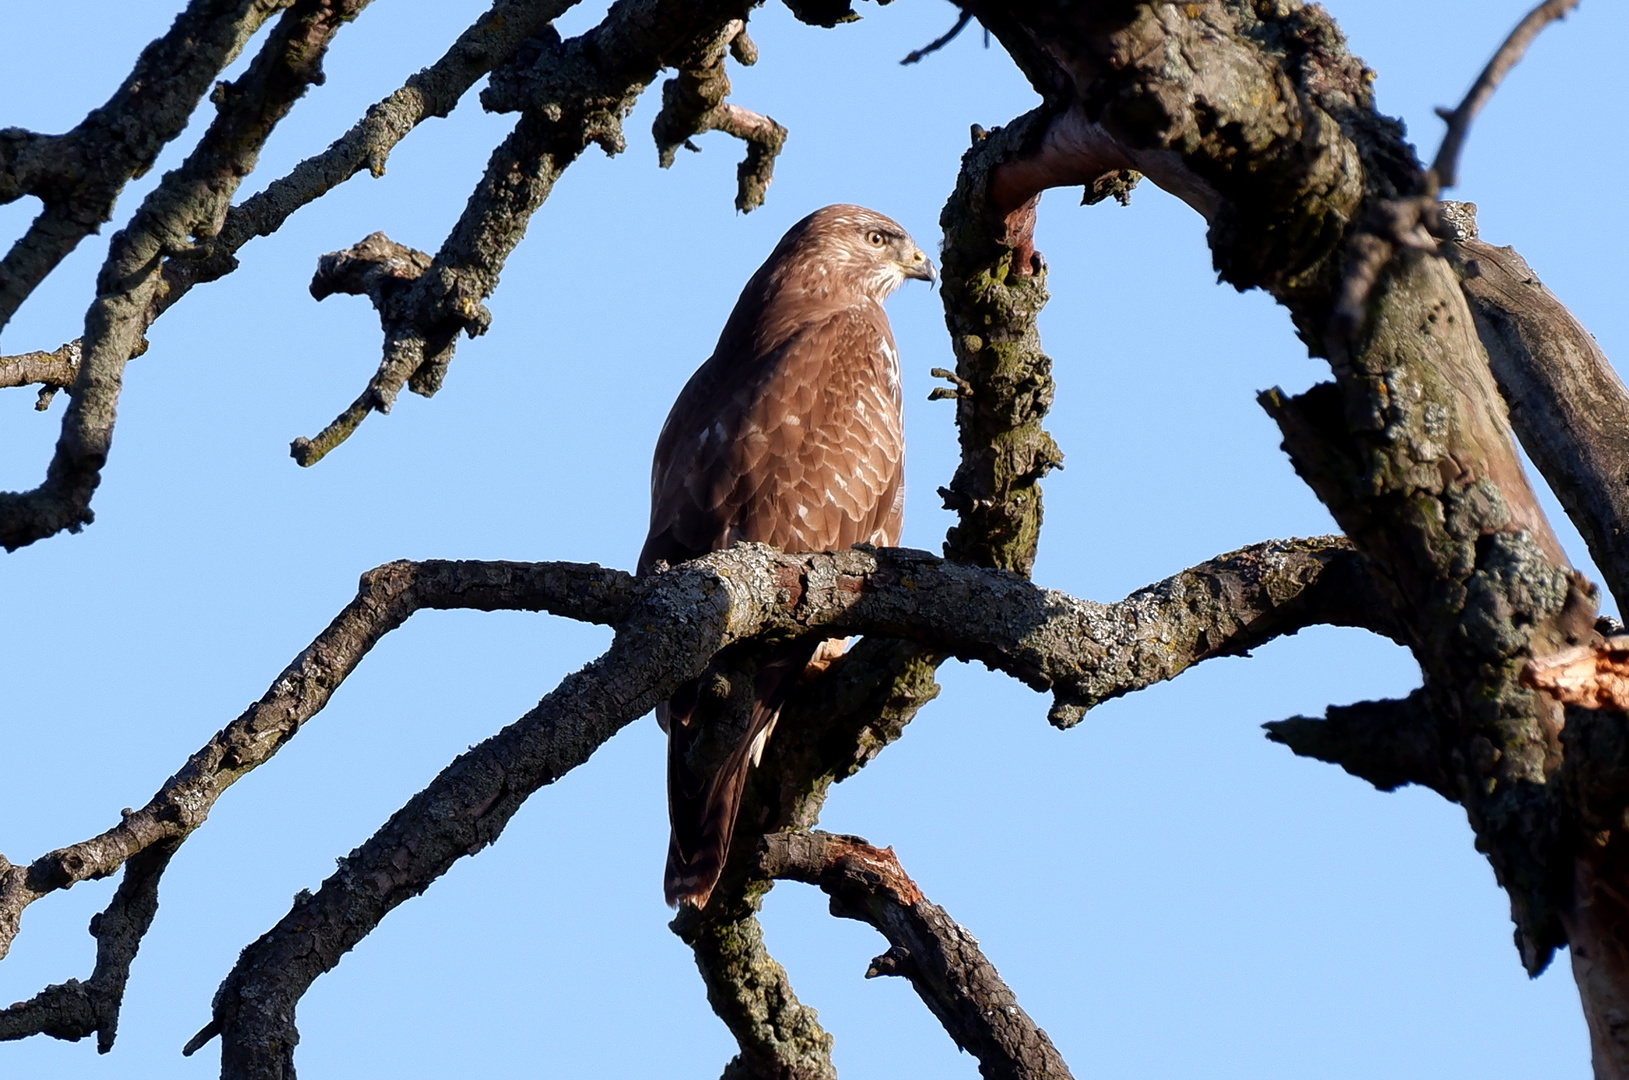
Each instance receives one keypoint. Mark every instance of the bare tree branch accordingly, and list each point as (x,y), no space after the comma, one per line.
(1387,743)
(939,42)
(385,600)
(780,1037)
(678,622)
(50,371)
(574,96)
(492,40)
(1411,223)
(74,1009)
(1446,166)
(693,103)
(1282,151)
(79,175)
(189,202)
(943,961)
(994,289)
(1568,406)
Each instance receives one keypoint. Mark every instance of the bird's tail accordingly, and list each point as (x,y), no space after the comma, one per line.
(703,808)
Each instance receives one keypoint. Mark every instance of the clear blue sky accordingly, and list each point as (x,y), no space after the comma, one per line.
(1168,894)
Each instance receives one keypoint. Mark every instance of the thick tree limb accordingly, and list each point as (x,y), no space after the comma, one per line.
(693,103)
(943,961)
(574,95)
(189,202)
(1268,128)
(677,622)
(829,730)
(780,1037)
(994,289)
(1567,404)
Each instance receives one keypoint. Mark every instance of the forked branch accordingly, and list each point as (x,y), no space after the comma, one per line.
(694,103)
(670,627)
(570,95)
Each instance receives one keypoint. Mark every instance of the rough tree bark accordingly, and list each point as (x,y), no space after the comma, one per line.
(1257,116)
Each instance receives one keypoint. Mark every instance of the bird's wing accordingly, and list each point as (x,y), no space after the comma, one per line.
(802,447)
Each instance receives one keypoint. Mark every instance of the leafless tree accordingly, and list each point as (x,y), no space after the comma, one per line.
(1252,112)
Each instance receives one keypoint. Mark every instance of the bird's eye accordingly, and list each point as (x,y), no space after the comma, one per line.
(875,238)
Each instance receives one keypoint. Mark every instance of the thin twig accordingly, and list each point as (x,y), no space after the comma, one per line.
(1446,166)
(944,39)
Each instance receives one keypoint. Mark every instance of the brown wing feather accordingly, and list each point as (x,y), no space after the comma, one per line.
(803,448)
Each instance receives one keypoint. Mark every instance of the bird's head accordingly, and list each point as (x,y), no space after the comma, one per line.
(871,251)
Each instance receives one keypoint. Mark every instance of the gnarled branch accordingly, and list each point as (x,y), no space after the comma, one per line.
(189,202)
(693,103)
(79,175)
(574,95)
(670,627)
(942,961)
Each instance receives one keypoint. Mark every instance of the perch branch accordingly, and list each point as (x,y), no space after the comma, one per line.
(677,621)
(942,961)
(693,103)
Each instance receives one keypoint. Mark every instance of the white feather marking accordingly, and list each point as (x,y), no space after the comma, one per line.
(759,740)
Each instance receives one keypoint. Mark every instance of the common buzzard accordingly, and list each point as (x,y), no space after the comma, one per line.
(790,434)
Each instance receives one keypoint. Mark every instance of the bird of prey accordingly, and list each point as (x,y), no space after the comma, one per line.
(790,434)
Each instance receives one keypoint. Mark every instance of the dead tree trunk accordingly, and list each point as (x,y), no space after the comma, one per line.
(1256,115)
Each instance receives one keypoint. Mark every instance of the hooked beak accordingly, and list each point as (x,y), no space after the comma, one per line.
(920,267)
